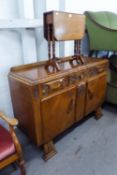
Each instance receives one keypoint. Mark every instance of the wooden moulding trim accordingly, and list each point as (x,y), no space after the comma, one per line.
(64,73)
(27,66)
(49,78)
(101,74)
(99,63)
(31,83)
(59,92)
(21,79)
(33,65)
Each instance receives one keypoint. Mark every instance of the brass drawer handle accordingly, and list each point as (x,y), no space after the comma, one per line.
(81,77)
(71,105)
(72,78)
(101,69)
(54,85)
(81,89)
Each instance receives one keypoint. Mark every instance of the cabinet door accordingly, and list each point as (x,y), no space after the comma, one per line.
(80,101)
(58,113)
(96,88)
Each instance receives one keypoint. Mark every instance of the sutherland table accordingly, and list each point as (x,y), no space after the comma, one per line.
(46,104)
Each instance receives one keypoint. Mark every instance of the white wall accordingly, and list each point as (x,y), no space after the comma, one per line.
(44,5)
(41,43)
(81,6)
(8,9)
(20,46)
(16,46)
(10,53)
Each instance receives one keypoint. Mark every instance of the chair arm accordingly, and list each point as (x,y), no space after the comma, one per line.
(12,122)
(112,85)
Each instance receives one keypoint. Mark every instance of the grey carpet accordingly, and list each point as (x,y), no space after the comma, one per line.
(88,149)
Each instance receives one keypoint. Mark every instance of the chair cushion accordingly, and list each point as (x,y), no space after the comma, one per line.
(7,146)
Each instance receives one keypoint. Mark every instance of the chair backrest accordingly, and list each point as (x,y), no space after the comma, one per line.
(104,19)
(102,30)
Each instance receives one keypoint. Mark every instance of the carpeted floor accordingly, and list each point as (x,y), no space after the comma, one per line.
(87,149)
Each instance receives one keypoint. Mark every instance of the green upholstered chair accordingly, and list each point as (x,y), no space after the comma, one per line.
(102,31)
(111,94)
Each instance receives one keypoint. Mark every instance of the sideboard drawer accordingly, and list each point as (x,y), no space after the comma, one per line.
(93,71)
(76,78)
(53,86)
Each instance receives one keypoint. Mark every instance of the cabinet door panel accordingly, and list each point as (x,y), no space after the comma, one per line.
(58,113)
(80,101)
(96,89)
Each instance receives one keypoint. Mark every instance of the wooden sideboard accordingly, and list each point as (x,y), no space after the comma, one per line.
(50,96)
(46,104)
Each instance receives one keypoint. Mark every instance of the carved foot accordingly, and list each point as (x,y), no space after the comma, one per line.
(98,113)
(49,150)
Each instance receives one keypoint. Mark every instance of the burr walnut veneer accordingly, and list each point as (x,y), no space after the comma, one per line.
(46,104)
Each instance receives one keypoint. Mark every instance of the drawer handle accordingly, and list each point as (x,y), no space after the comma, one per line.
(81,89)
(72,78)
(100,70)
(71,105)
(55,85)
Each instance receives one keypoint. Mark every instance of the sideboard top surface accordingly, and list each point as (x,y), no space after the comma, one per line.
(36,73)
